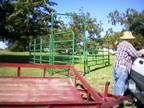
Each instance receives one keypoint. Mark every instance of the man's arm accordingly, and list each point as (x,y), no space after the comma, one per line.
(132,51)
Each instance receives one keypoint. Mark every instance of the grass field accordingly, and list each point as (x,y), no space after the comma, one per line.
(96,78)
(99,77)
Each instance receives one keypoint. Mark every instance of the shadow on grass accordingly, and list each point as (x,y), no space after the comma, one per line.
(100,67)
(26,59)
(14,58)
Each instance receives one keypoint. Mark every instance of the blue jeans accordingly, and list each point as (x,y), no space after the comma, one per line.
(121,77)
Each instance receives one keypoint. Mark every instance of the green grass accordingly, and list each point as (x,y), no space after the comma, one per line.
(98,77)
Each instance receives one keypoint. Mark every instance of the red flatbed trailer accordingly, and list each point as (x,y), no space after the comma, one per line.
(51,92)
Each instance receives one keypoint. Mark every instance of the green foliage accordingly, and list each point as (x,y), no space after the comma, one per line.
(132,19)
(6,9)
(24,20)
(82,23)
(112,38)
(139,41)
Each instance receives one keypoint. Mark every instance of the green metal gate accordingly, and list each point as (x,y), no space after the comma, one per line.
(62,51)
(96,57)
(59,50)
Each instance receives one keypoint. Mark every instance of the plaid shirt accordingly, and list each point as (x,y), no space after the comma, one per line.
(125,54)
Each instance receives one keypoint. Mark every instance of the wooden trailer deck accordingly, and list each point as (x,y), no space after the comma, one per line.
(37,90)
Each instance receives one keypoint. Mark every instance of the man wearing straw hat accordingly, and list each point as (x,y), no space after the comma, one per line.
(124,56)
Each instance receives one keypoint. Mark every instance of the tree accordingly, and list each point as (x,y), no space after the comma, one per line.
(27,19)
(132,20)
(6,9)
(82,23)
(112,38)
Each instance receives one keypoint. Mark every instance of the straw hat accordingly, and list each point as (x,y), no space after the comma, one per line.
(127,35)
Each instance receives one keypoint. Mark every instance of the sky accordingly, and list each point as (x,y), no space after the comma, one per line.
(2,45)
(98,9)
